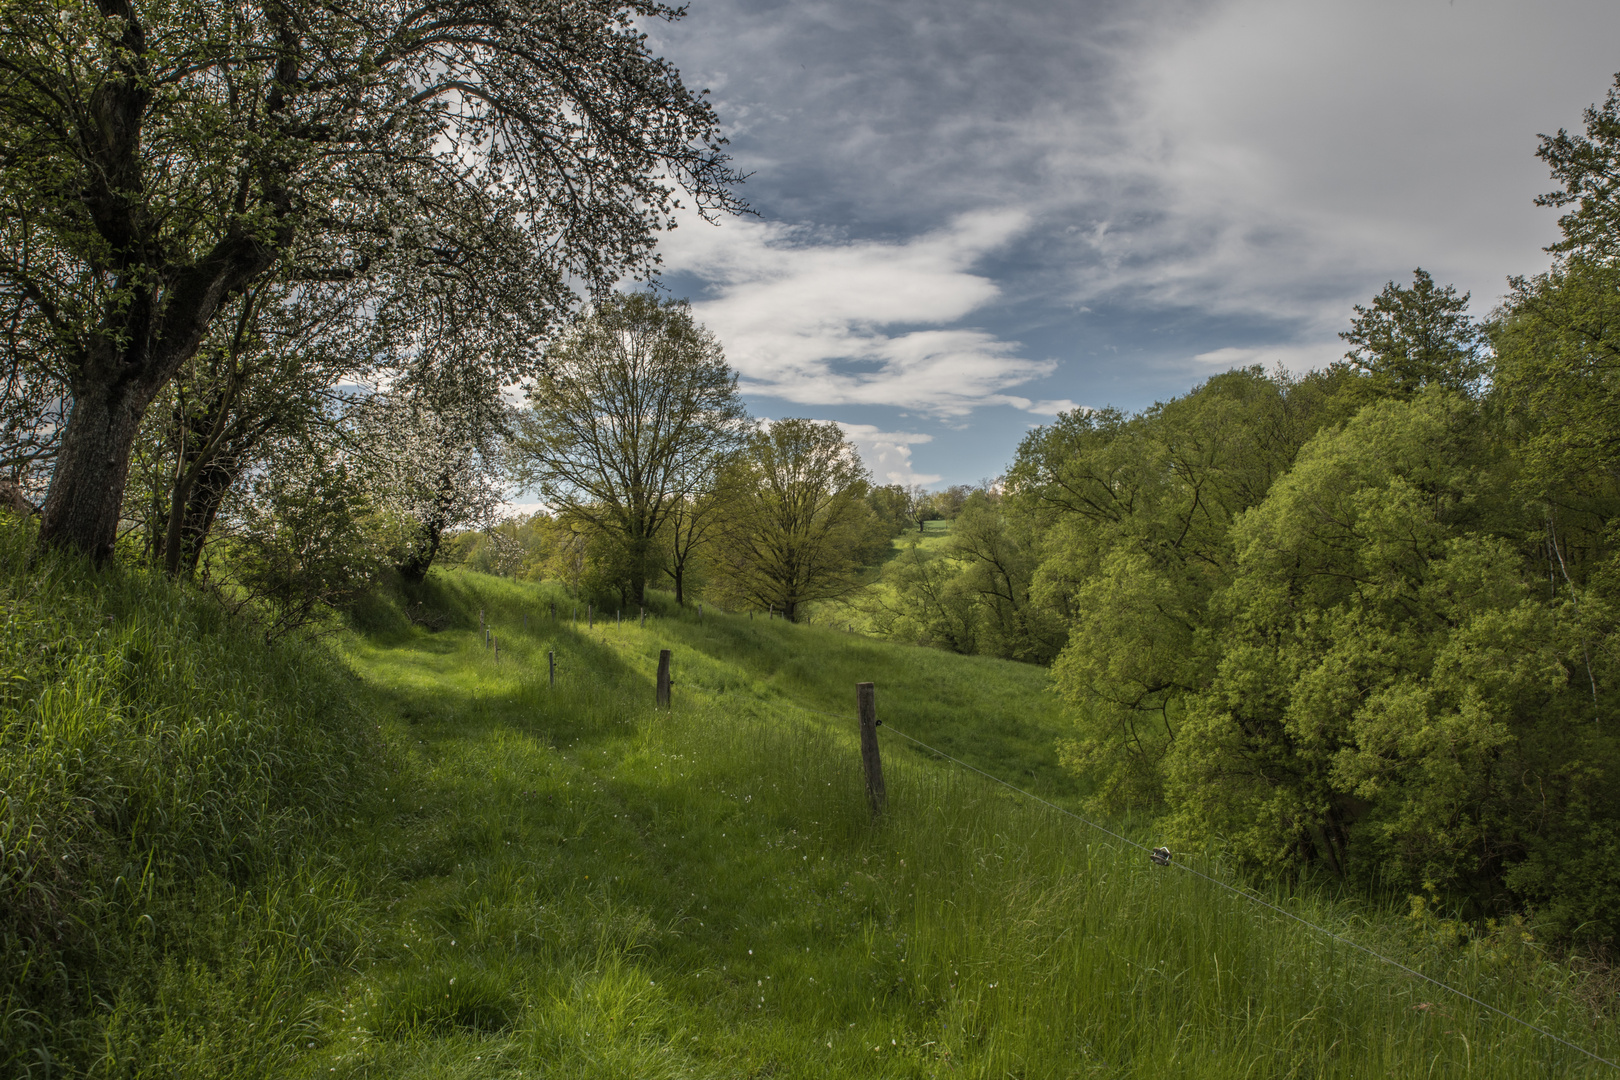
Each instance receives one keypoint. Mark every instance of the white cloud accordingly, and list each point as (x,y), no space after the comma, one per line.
(1294,358)
(1278,158)
(520,511)
(888,453)
(1046,408)
(820,321)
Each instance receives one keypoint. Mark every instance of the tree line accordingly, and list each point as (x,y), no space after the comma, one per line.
(652,473)
(1363,621)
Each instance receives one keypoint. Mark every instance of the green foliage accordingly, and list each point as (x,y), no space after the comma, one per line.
(971,594)
(799,529)
(1585,166)
(307,543)
(164,778)
(891,504)
(1340,652)
(1137,514)
(1415,337)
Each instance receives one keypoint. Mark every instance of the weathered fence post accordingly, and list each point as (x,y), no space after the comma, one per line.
(663,678)
(590,617)
(700,613)
(871,762)
(551,662)
(554,611)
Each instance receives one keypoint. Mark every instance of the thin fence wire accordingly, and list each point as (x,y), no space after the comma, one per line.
(1229,887)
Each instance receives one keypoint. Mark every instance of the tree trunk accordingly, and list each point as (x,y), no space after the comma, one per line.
(640,556)
(422,553)
(86,497)
(680,594)
(425,547)
(208,493)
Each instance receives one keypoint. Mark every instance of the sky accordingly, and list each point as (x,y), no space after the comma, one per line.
(970,215)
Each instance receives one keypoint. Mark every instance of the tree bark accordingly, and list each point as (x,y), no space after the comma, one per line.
(86,497)
(114,386)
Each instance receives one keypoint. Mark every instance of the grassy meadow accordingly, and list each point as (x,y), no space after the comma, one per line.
(861,613)
(510,879)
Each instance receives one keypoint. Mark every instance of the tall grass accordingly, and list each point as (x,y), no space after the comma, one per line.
(579,885)
(161,775)
(211,869)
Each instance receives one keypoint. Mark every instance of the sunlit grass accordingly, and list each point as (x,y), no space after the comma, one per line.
(513,879)
(618,891)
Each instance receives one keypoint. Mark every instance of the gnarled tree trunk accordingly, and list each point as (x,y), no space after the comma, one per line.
(85,500)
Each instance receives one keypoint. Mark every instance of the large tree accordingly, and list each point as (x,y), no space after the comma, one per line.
(160,157)
(804,528)
(1415,337)
(632,408)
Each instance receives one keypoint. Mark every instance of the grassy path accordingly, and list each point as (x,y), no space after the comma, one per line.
(565,883)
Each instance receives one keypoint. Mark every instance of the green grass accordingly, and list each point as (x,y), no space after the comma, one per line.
(578,885)
(525,881)
(856,613)
(164,777)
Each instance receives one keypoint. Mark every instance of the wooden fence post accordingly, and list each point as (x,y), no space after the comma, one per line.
(551,662)
(590,617)
(700,613)
(554,611)
(871,762)
(663,678)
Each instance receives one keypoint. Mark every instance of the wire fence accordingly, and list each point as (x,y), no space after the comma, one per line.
(1160,857)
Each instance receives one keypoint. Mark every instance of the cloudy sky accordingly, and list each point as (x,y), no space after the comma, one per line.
(973,214)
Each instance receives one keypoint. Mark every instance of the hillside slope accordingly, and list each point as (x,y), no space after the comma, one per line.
(226,859)
(166,905)
(576,884)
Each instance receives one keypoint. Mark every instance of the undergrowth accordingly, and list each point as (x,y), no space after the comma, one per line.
(162,777)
